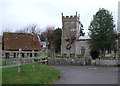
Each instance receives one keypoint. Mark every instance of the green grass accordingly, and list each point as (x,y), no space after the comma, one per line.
(1,63)
(52,54)
(38,54)
(41,74)
(45,54)
(57,54)
(108,57)
(0,77)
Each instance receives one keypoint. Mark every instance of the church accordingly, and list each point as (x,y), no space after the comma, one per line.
(72,44)
(71,41)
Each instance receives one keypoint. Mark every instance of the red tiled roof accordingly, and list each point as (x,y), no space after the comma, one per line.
(16,41)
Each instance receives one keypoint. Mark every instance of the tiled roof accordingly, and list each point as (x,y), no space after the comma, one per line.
(16,41)
(85,37)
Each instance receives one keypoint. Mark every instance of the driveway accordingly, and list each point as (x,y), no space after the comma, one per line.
(87,75)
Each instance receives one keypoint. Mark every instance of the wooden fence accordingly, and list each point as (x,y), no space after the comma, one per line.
(19,58)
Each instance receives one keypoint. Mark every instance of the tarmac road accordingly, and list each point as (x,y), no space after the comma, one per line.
(87,75)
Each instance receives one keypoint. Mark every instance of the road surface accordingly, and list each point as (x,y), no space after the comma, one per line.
(87,75)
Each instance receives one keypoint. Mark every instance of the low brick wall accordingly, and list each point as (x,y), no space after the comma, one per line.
(76,61)
(103,62)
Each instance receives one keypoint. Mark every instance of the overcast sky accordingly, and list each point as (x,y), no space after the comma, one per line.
(16,14)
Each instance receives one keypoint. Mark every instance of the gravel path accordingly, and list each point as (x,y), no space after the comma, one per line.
(87,75)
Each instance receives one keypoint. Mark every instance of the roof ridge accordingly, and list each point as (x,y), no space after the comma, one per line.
(16,33)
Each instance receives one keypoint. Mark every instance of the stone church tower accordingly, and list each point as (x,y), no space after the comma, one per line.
(70,32)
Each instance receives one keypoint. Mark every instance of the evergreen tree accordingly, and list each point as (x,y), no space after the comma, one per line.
(81,30)
(101,32)
(57,34)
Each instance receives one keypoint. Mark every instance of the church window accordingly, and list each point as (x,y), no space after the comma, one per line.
(83,51)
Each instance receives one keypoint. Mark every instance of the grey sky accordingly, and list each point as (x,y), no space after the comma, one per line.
(16,14)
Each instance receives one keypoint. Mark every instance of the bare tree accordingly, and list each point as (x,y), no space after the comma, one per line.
(21,31)
(47,36)
(49,31)
(33,29)
(43,36)
(7,30)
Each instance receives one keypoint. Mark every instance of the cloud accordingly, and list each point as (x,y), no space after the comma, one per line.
(16,14)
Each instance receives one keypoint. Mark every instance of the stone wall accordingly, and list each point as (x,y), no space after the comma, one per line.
(14,61)
(68,61)
(81,61)
(106,62)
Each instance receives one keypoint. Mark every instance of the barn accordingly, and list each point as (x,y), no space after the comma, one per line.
(23,41)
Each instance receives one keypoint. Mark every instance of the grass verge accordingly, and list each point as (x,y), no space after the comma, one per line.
(41,74)
(1,63)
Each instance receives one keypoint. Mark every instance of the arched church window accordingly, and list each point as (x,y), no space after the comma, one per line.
(83,51)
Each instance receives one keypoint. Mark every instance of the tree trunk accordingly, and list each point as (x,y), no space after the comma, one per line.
(48,52)
(54,54)
(103,54)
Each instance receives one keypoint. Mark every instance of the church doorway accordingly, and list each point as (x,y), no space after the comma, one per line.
(94,54)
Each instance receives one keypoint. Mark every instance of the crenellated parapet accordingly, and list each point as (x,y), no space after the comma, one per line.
(71,18)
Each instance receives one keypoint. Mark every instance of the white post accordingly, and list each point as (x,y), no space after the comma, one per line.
(16,55)
(19,58)
(33,58)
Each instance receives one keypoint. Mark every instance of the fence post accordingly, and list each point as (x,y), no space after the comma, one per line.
(33,58)
(41,58)
(19,58)
(4,59)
